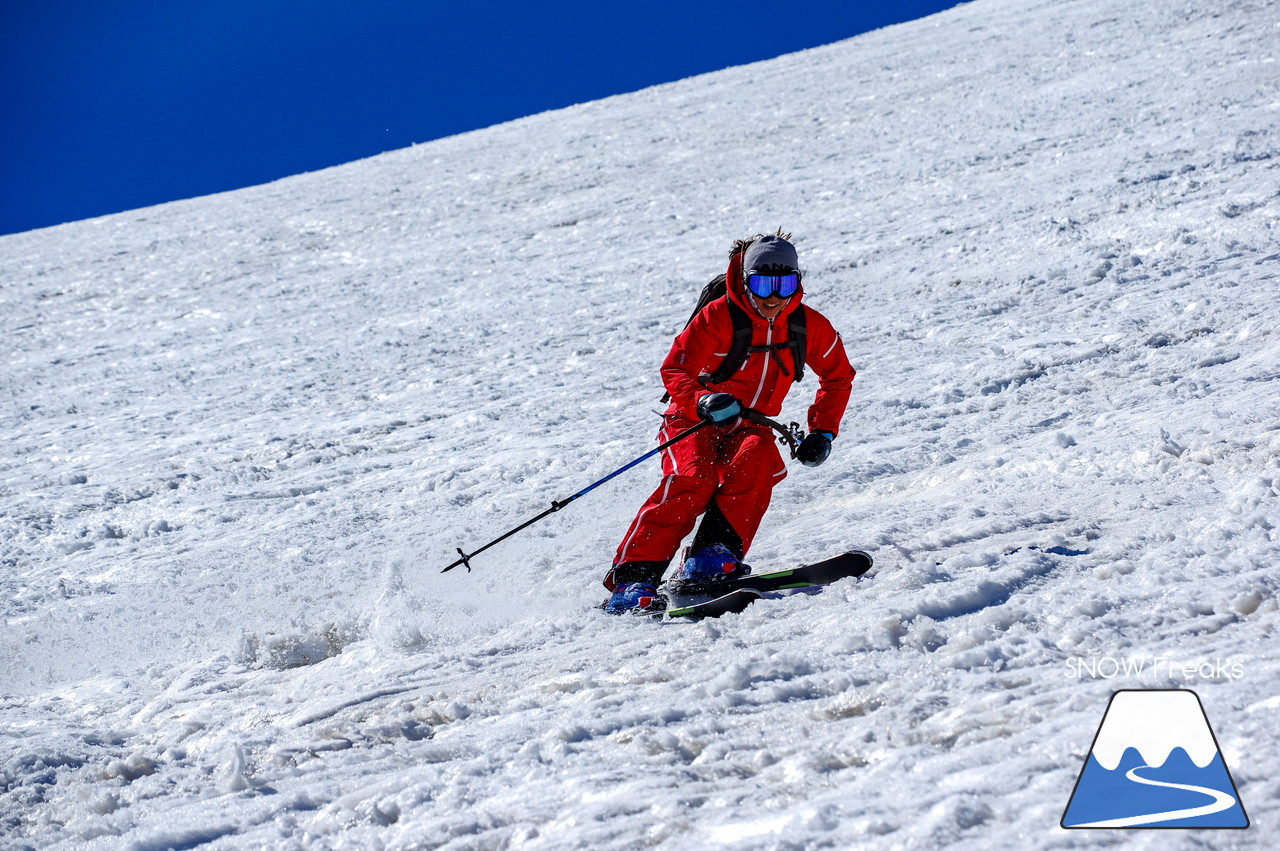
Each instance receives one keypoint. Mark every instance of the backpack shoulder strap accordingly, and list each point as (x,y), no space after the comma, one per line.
(737,348)
(796,342)
(799,340)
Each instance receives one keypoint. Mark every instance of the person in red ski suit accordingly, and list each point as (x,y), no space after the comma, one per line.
(726,471)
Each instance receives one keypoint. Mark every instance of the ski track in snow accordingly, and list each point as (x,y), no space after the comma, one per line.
(244,432)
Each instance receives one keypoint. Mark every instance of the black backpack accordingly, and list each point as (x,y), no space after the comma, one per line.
(741,345)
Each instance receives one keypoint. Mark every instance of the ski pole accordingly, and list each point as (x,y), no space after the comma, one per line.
(557,505)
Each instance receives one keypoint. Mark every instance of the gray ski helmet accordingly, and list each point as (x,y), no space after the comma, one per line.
(771,250)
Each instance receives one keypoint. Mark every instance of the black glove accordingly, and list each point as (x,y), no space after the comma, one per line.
(719,408)
(815,448)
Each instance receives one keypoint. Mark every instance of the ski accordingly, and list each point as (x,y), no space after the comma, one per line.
(734,595)
(823,572)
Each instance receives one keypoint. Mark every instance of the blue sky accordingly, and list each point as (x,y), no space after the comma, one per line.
(109,106)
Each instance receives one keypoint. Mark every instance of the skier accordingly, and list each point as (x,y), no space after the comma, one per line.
(726,471)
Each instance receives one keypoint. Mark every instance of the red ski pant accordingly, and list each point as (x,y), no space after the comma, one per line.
(738,465)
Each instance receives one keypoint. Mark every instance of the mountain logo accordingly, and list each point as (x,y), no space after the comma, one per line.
(1155,763)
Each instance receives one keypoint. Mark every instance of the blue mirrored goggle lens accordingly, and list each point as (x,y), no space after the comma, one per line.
(764,286)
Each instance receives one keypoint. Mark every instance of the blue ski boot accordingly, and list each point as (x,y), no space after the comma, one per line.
(709,564)
(633,597)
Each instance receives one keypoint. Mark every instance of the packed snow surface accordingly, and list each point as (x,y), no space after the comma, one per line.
(243,434)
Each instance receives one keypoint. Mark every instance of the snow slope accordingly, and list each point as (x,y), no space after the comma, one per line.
(244,432)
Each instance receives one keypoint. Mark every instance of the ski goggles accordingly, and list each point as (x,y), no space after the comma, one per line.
(763,286)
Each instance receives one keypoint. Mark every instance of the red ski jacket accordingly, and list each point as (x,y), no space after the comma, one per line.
(760,384)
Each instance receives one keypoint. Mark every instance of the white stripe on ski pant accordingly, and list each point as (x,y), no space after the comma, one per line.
(666,489)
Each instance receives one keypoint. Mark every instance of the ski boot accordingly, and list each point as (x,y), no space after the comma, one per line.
(634,598)
(710,564)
